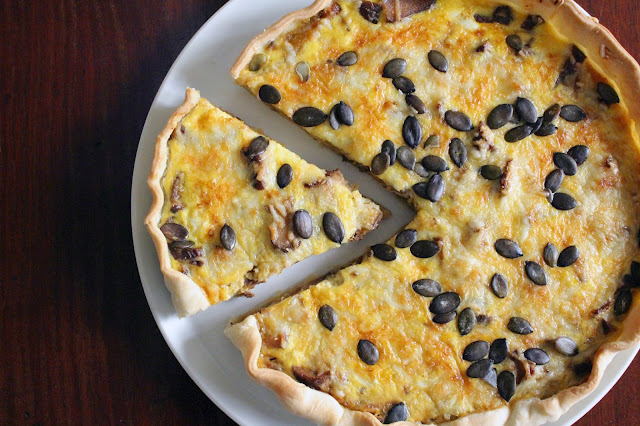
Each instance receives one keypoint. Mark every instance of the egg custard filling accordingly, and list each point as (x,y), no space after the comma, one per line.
(505,297)
(233,207)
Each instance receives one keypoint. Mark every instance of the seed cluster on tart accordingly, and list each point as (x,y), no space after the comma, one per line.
(511,127)
(232,207)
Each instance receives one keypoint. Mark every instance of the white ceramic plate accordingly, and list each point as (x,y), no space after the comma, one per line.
(198,342)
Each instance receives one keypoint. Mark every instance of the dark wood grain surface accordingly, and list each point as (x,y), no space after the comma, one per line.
(78,343)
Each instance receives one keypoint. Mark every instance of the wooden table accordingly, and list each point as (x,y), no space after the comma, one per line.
(78,342)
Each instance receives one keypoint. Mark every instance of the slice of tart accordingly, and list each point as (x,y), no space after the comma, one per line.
(512,127)
(232,207)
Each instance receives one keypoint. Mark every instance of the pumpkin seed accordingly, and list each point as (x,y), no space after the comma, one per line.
(499,350)
(328,317)
(579,153)
(568,256)
(333,228)
(303,224)
(466,321)
(573,113)
(269,94)
(389,148)
(531,21)
(608,94)
(458,120)
(347,59)
(438,61)
(546,129)
(519,326)
(623,302)
(492,377)
(380,163)
(518,133)
(500,116)
(566,346)
(444,318)
(257,147)
(333,118)
(554,180)
(309,117)
(411,131)
(444,303)
(368,352)
(526,110)
(174,231)
(394,68)
(506,385)
(227,237)
(550,255)
(515,42)
(502,15)
(499,286)
(490,172)
(566,163)
(416,103)
(552,113)
(403,84)
(425,249)
(434,163)
(476,351)
(421,171)
(535,273)
(284,175)
(433,140)
(427,288)
(431,190)
(257,61)
(457,152)
(562,201)
(302,69)
(397,413)
(344,114)
(480,369)
(406,238)
(405,157)
(384,252)
(537,356)
(508,248)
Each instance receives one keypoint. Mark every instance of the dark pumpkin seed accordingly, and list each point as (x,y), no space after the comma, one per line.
(370,11)
(431,190)
(328,317)
(432,140)
(518,133)
(550,255)
(389,148)
(623,302)
(566,346)
(458,121)
(425,249)
(535,273)
(515,42)
(368,352)
(174,231)
(546,129)
(347,59)
(562,201)
(411,131)
(438,61)
(579,153)
(186,253)
(573,113)
(380,163)
(490,172)
(578,55)
(531,21)
(506,385)
(333,118)
(476,351)
(537,356)
(457,152)
(444,318)
(492,377)
(397,413)
(421,171)
(284,175)
(551,114)
(257,147)
(480,369)
(502,15)
(508,248)
(500,116)
(568,256)
(302,69)
(227,237)
(405,157)
(403,84)
(554,180)
(566,163)
(466,321)
(257,61)
(303,224)
(344,114)
(519,326)
(499,286)
(608,94)
(433,163)
(394,68)
(416,103)
(269,94)
(384,252)
(406,238)
(444,303)
(499,350)
(309,117)
(537,125)
(526,110)
(427,288)
(333,228)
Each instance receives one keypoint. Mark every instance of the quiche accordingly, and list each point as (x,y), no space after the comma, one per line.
(512,129)
(232,207)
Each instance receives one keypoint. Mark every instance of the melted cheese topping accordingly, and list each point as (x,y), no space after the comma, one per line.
(218,185)
(421,362)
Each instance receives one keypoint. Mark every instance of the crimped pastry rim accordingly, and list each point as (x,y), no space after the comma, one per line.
(614,61)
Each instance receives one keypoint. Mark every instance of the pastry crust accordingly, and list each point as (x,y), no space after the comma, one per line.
(614,61)
(188,298)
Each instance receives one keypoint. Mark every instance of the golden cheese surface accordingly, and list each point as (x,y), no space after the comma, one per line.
(209,181)
(420,361)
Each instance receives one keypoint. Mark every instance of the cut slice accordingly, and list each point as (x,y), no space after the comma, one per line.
(459,317)
(232,207)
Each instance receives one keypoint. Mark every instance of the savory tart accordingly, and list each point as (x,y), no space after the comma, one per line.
(512,128)
(232,207)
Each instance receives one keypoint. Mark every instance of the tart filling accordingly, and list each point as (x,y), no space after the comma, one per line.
(510,286)
(235,207)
